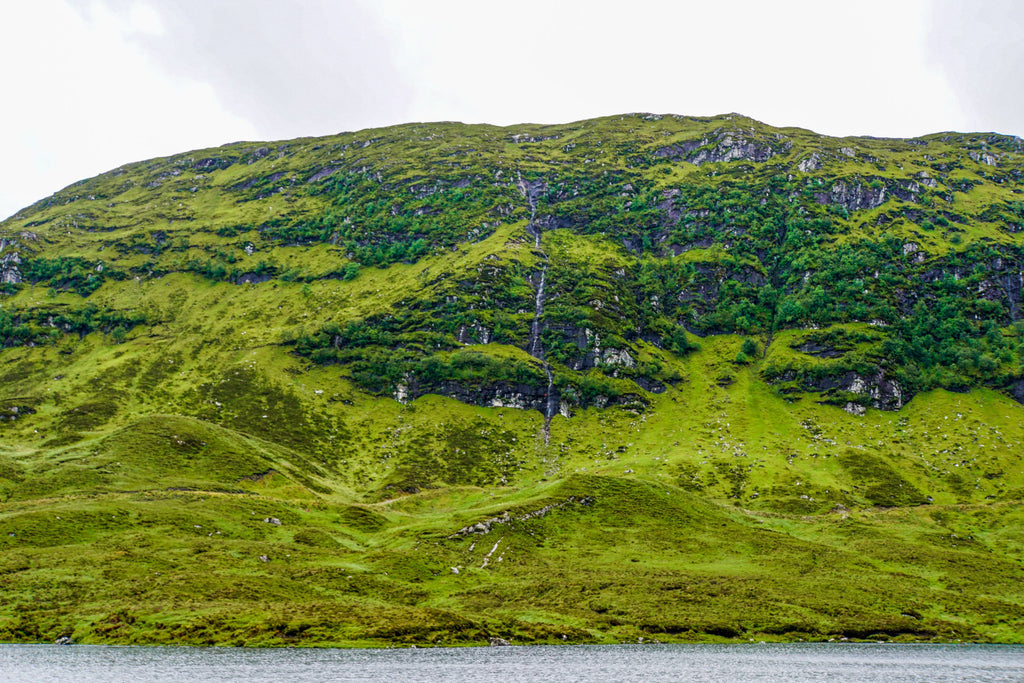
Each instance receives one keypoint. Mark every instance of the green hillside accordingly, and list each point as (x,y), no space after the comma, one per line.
(635,377)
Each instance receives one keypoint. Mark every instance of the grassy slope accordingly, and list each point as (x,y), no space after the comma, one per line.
(135,495)
(711,517)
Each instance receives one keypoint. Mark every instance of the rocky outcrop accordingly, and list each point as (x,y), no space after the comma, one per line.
(1006,285)
(214,163)
(618,357)
(10,413)
(9,261)
(1016,390)
(593,355)
(856,194)
(811,163)
(907,190)
(520,396)
(724,146)
(853,196)
(520,138)
(474,333)
(817,350)
(252,278)
(323,173)
(983,157)
(9,273)
(877,389)
(680,151)
(670,205)
(708,280)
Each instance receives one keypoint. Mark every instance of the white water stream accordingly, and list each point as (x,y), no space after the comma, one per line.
(536,348)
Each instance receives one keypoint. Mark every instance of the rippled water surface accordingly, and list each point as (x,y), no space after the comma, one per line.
(745,663)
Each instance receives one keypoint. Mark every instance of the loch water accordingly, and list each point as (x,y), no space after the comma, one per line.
(892,663)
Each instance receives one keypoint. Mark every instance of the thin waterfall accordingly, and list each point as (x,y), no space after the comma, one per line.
(536,348)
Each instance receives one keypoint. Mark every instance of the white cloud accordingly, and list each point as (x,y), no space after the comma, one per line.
(293,69)
(978,46)
(81,99)
(844,69)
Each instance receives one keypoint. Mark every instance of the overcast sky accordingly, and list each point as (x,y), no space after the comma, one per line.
(88,85)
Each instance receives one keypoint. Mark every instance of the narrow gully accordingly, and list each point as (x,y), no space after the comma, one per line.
(536,348)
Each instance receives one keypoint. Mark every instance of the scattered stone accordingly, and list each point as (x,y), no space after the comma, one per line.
(499,642)
(855,408)
(506,517)
(64,640)
(272,520)
(264,558)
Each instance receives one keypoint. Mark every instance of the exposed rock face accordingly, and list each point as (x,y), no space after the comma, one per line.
(509,395)
(1016,390)
(670,206)
(853,196)
(884,393)
(323,173)
(734,148)
(496,394)
(818,350)
(618,357)
(474,334)
(811,163)
(708,280)
(680,151)
(724,146)
(982,158)
(9,273)
(1006,286)
(870,193)
(520,138)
